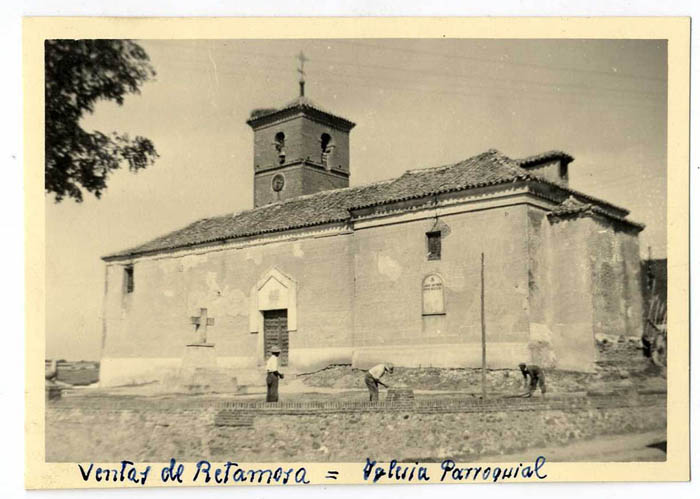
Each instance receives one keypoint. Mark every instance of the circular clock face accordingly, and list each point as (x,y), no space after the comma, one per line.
(277,182)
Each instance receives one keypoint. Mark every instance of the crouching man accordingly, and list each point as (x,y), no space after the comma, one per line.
(273,374)
(536,375)
(373,379)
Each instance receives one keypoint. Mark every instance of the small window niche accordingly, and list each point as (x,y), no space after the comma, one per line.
(129,279)
(326,148)
(434,245)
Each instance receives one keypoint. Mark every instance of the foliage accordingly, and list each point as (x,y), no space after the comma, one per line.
(78,74)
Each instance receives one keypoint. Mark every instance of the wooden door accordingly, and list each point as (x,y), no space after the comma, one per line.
(276,333)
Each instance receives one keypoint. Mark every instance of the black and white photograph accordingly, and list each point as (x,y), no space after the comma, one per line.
(356,250)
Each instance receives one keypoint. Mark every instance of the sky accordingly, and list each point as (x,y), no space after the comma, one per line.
(417,103)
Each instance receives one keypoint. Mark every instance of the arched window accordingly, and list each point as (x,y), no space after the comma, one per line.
(279,146)
(433,295)
(326,147)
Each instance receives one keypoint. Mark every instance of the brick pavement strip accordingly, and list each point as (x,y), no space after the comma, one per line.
(446,405)
(420,406)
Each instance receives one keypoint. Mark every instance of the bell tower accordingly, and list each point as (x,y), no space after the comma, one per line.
(299,149)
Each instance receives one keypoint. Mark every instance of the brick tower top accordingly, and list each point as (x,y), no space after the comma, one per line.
(299,149)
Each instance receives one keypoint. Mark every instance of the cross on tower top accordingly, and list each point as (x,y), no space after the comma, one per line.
(302,59)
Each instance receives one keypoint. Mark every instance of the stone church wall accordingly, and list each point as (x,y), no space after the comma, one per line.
(391,264)
(151,325)
(375,295)
(540,293)
(617,290)
(584,280)
(564,339)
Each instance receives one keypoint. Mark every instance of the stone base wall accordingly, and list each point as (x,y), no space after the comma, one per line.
(310,435)
(134,371)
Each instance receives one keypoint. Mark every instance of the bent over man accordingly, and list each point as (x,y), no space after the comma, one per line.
(536,375)
(373,379)
(273,374)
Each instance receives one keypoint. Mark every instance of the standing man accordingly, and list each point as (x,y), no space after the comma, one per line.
(273,374)
(536,378)
(373,379)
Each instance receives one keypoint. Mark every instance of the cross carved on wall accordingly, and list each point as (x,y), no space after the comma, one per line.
(201,323)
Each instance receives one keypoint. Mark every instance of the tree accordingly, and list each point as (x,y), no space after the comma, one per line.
(79,73)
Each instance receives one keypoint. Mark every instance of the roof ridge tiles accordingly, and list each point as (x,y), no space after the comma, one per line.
(544,156)
(450,165)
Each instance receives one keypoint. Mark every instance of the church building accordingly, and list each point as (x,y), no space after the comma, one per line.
(389,271)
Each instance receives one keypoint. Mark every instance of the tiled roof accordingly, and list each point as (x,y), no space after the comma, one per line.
(303,211)
(488,168)
(300,103)
(573,207)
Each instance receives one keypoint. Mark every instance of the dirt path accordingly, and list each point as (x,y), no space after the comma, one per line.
(610,448)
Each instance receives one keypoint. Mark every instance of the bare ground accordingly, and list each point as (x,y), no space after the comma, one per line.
(134,423)
(637,447)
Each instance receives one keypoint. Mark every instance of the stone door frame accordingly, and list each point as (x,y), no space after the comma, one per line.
(286,290)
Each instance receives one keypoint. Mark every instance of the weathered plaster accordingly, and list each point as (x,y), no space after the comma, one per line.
(356,295)
(388,267)
(617,301)
(297,250)
(500,355)
(389,308)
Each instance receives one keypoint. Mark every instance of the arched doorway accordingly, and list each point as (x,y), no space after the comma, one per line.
(273,313)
